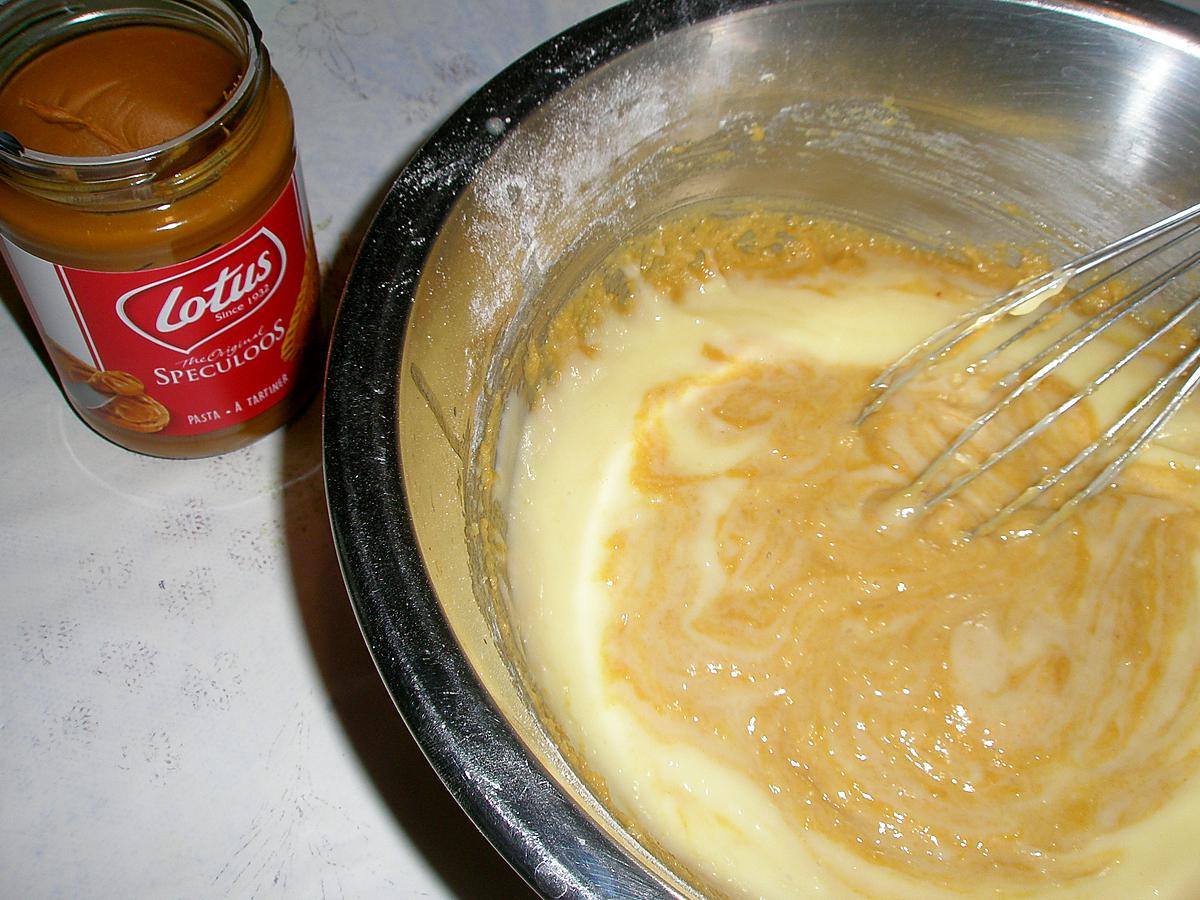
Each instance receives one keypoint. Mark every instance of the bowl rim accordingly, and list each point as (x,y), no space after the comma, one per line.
(458,727)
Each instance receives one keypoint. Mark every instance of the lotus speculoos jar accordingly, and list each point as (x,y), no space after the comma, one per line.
(153,217)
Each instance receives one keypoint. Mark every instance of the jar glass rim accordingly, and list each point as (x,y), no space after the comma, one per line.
(249,44)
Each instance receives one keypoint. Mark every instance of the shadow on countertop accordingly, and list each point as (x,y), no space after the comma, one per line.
(421,806)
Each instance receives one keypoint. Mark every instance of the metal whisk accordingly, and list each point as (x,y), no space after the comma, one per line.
(1166,297)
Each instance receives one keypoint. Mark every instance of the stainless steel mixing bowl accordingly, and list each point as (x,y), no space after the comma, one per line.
(962,121)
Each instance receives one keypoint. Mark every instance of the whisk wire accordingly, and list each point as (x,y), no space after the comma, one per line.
(1105,317)
(1027,497)
(1067,346)
(1029,293)
(1031,297)
(1189,367)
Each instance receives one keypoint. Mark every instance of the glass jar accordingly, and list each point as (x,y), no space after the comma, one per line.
(175,284)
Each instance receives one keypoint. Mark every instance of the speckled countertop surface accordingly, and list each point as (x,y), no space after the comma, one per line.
(187,708)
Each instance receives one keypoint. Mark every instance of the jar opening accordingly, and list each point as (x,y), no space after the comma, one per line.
(29,29)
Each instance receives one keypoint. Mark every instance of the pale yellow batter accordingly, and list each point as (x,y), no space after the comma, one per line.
(776,681)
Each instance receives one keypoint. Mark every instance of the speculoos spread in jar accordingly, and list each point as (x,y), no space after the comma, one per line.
(153,217)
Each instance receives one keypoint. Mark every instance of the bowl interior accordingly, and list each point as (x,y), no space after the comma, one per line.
(1059,124)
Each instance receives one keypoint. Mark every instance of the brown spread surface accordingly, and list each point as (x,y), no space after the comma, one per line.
(117,90)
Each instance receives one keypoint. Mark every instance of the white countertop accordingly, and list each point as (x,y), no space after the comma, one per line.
(187,707)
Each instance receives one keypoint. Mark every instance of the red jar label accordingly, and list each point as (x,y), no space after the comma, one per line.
(184,349)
